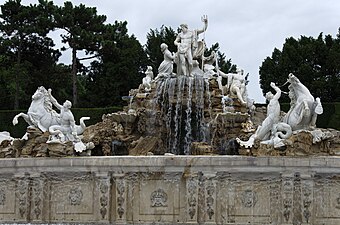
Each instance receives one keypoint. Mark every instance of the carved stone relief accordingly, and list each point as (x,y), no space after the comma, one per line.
(159,198)
(191,198)
(2,196)
(22,196)
(37,197)
(104,200)
(249,198)
(120,197)
(210,191)
(75,196)
(287,191)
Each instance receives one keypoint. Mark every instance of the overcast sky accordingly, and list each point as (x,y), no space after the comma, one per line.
(247,30)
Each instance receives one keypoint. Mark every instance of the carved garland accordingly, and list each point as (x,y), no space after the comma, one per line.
(287,200)
(22,197)
(120,198)
(37,191)
(2,196)
(210,199)
(192,201)
(307,201)
(103,198)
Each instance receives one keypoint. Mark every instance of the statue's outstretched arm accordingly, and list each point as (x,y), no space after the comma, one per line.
(205,26)
(277,89)
(53,100)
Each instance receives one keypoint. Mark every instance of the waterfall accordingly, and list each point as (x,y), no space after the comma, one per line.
(182,102)
(188,135)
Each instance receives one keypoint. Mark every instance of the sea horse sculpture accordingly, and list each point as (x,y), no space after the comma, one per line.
(41,115)
(304,108)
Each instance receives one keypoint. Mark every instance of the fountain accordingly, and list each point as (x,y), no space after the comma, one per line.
(186,150)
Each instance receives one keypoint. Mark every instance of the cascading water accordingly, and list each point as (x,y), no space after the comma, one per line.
(182,101)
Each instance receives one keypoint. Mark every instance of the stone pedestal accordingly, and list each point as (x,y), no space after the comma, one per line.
(171,190)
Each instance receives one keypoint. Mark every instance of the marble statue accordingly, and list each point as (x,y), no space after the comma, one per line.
(4,135)
(263,131)
(189,47)
(146,81)
(280,132)
(303,108)
(165,69)
(61,126)
(196,71)
(40,113)
(236,85)
(67,130)
(208,65)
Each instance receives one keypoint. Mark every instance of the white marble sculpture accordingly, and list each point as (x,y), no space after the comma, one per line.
(263,131)
(165,69)
(196,71)
(303,108)
(189,47)
(302,115)
(61,126)
(146,81)
(236,85)
(40,113)
(4,135)
(67,130)
(280,132)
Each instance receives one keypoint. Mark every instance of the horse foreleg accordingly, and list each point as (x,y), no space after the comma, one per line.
(24,116)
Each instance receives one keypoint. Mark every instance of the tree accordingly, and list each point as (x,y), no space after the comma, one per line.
(154,39)
(120,68)
(315,61)
(23,28)
(224,65)
(83,32)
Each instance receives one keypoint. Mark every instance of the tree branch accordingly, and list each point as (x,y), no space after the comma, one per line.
(90,57)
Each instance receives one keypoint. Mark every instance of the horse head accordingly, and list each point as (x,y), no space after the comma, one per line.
(293,79)
(300,90)
(40,93)
(300,113)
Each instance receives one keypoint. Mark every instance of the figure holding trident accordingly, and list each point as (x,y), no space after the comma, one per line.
(188,47)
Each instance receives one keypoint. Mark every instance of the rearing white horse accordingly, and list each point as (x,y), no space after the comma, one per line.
(304,109)
(40,113)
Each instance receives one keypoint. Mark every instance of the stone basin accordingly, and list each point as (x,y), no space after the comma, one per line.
(170,190)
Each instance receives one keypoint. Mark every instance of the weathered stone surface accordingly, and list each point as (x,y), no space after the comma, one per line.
(147,145)
(201,148)
(170,190)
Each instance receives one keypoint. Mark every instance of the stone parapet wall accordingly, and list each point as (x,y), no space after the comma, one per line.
(171,190)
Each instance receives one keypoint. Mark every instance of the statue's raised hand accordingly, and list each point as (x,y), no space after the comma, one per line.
(204,18)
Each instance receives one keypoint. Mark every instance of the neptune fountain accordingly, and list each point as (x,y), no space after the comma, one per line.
(187,149)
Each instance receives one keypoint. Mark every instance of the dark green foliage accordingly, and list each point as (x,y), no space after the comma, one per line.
(83,32)
(121,66)
(224,65)
(316,62)
(154,40)
(25,48)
